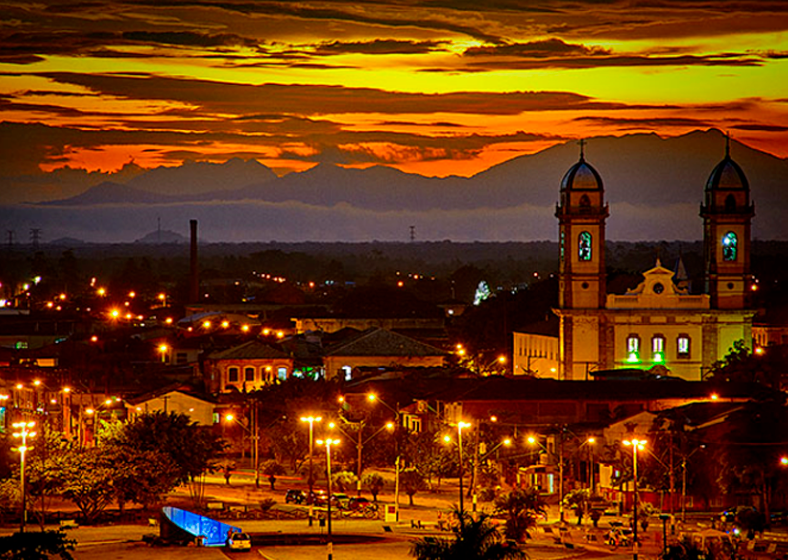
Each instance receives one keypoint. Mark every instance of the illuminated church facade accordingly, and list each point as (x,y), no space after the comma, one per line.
(659,323)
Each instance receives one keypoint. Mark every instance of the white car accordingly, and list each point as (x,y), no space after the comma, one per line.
(239,541)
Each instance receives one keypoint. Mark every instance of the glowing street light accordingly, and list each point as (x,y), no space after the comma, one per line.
(24,433)
(311,420)
(637,445)
(163,348)
(253,433)
(328,442)
(460,426)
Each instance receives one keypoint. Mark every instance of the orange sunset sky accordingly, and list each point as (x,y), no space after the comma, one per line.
(431,87)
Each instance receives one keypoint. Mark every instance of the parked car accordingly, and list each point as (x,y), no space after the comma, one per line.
(318,498)
(356,503)
(239,541)
(340,500)
(295,497)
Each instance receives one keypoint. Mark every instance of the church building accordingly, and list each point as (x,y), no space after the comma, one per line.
(659,323)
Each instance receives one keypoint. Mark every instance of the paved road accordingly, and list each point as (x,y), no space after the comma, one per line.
(124,542)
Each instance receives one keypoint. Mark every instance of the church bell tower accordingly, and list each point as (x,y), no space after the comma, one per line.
(727,213)
(581,217)
(582,287)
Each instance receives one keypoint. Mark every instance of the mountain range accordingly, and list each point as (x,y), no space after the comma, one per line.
(654,187)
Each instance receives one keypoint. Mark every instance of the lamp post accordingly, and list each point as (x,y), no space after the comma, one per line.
(460,426)
(533,441)
(23,433)
(480,459)
(253,433)
(163,349)
(591,474)
(636,444)
(328,442)
(310,497)
(374,398)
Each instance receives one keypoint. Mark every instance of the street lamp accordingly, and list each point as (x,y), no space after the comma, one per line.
(460,426)
(637,445)
(480,459)
(372,397)
(328,442)
(255,436)
(360,443)
(590,441)
(163,348)
(310,497)
(24,433)
(533,441)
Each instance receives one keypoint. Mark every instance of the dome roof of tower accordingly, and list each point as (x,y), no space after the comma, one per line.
(727,176)
(582,176)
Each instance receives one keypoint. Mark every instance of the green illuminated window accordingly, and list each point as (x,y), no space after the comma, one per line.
(658,349)
(633,348)
(730,245)
(584,246)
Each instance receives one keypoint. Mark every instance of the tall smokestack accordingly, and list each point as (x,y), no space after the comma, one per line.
(194,278)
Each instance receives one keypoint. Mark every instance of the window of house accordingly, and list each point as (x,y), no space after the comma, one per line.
(180,358)
(248,374)
(683,346)
(633,348)
(658,349)
(281,373)
(729,246)
(232,374)
(584,246)
(347,372)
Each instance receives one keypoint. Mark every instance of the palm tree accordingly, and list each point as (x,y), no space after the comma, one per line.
(521,507)
(474,539)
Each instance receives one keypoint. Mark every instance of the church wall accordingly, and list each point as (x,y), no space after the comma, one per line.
(648,325)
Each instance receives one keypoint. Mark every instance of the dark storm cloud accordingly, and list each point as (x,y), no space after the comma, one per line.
(348,12)
(555,53)
(188,38)
(638,124)
(27,47)
(761,127)
(241,99)
(536,49)
(379,46)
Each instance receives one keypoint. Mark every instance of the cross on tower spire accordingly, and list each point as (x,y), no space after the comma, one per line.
(727,144)
(582,143)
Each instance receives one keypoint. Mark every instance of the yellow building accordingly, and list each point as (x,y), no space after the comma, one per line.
(658,323)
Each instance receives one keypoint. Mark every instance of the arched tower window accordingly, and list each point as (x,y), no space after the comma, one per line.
(561,244)
(730,203)
(584,246)
(585,201)
(730,243)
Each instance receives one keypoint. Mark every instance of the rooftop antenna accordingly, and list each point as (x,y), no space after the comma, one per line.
(412,234)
